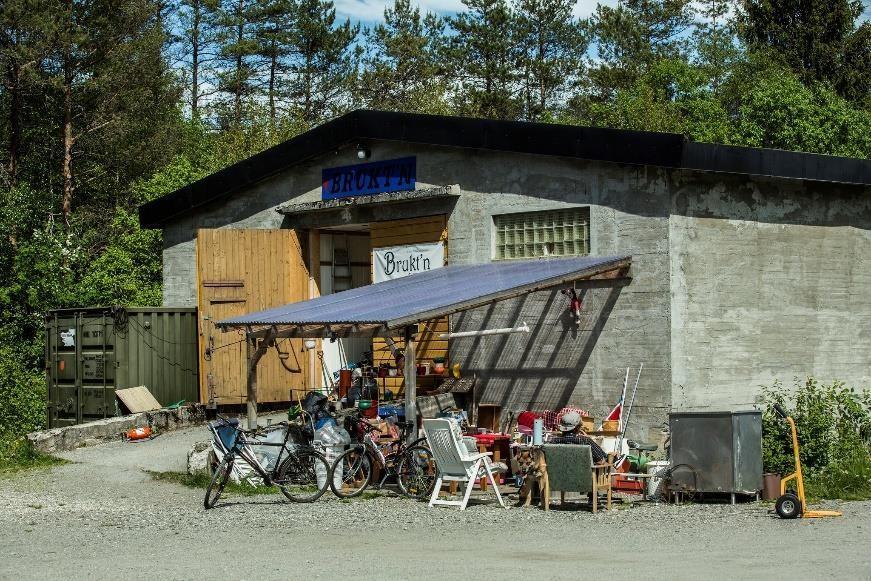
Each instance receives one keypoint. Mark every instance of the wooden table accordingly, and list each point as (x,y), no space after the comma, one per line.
(495,443)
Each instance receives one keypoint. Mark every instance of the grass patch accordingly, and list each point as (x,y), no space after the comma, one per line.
(18,455)
(366,495)
(201,481)
(847,478)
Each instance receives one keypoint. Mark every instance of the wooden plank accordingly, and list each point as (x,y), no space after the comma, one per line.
(138,399)
(221,283)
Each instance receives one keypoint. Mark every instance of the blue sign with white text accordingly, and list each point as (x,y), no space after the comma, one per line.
(364,179)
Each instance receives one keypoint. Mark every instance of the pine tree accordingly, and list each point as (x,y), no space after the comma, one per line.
(714,41)
(26,28)
(484,55)
(324,63)
(820,41)
(275,20)
(196,49)
(552,44)
(238,45)
(115,93)
(402,69)
(634,35)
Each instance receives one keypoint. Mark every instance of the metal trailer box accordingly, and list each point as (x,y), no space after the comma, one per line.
(723,448)
(91,352)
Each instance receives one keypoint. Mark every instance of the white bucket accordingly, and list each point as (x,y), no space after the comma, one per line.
(331,453)
(653,467)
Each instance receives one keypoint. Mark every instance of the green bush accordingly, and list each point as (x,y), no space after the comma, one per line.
(834,433)
(22,395)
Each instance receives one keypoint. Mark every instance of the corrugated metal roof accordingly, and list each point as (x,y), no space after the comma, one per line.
(432,294)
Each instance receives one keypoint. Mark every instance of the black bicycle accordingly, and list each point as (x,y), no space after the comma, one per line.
(412,465)
(301,472)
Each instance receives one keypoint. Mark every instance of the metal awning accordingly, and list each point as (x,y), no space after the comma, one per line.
(378,309)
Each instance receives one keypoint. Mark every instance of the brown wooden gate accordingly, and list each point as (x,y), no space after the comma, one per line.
(239,272)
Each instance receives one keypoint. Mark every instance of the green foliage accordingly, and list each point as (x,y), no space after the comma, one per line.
(833,423)
(22,395)
(819,41)
(17,455)
(847,477)
(128,270)
(779,111)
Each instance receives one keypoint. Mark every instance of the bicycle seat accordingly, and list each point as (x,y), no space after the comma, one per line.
(633,445)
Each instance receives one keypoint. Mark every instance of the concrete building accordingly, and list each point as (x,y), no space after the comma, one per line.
(748,265)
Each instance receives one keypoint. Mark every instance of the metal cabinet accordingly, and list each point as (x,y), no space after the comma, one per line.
(723,450)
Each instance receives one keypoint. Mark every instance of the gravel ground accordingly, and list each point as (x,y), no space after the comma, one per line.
(103,517)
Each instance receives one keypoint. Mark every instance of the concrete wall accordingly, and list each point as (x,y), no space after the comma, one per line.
(771,279)
(556,364)
(736,281)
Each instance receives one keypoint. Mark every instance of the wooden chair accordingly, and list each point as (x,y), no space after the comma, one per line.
(570,468)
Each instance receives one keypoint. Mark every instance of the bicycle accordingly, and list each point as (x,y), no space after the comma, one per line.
(411,464)
(296,475)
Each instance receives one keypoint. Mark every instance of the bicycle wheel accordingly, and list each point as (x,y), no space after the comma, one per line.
(219,481)
(356,473)
(303,476)
(416,474)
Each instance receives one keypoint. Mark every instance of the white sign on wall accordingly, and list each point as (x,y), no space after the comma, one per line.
(399,261)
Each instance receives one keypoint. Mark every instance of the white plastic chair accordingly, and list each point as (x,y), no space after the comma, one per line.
(454,462)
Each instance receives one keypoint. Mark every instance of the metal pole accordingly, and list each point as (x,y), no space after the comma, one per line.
(629,411)
(410,372)
(523,328)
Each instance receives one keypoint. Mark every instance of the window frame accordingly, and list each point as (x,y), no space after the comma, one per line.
(580,218)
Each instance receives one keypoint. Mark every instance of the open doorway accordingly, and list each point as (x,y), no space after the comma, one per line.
(345,263)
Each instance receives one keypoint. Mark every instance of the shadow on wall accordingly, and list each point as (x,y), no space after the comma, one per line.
(554,365)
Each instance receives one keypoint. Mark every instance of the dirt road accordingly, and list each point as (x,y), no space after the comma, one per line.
(103,517)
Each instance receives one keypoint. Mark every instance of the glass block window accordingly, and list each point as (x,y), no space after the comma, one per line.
(537,234)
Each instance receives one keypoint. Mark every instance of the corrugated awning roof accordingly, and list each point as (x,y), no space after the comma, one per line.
(420,297)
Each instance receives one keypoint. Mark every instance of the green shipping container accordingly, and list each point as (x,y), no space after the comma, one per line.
(89,353)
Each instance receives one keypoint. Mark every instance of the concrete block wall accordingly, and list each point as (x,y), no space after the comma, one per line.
(771,279)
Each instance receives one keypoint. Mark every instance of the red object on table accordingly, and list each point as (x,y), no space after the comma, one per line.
(489,439)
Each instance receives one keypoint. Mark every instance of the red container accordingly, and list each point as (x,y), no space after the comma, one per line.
(344,382)
(371,412)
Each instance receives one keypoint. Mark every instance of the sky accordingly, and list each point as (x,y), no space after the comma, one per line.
(369,11)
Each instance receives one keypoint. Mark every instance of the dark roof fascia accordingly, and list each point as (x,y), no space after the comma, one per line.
(246,173)
(591,143)
(595,143)
(776,163)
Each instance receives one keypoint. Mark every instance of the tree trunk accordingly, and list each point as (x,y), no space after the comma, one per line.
(15,112)
(273,67)
(67,170)
(240,31)
(195,60)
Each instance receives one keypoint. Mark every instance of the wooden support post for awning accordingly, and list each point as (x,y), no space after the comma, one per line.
(410,373)
(255,354)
